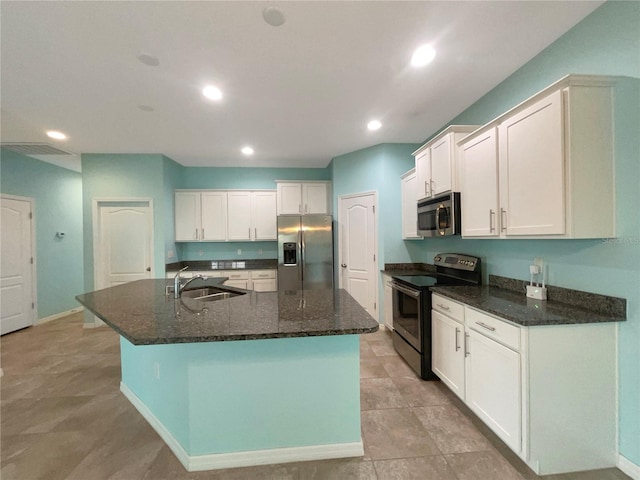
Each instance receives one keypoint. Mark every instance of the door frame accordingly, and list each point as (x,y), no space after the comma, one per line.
(341,199)
(98,268)
(34,270)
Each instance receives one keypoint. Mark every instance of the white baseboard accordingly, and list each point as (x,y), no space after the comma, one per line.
(628,467)
(246,458)
(58,315)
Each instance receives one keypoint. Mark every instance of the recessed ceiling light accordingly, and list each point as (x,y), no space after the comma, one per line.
(374,125)
(247,150)
(149,60)
(56,135)
(423,55)
(273,16)
(212,93)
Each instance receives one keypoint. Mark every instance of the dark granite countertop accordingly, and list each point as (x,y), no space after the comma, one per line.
(393,269)
(517,308)
(204,265)
(142,313)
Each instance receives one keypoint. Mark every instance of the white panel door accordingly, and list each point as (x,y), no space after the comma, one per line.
(263,214)
(441,165)
(125,244)
(214,215)
(532,191)
(493,387)
(187,216)
(479,186)
(16,287)
(239,216)
(357,254)
(448,351)
(314,197)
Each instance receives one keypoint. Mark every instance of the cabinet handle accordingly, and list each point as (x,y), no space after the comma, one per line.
(202,234)
(457,344)
(255,233)
(444,307)
(466,344)
(491,227)
(503,219)
(195,235)
(249,233)
(426,189)
(431,186)
(299,208)
(306,208)
(488,327)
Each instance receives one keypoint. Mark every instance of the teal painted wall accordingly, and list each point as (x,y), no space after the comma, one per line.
(58,208)
(607,42)
(172,178)
(223,397)
(124,176)
(247,178)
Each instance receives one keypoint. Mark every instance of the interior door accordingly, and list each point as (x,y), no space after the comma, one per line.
(16,271)
(125,246)
(357,229)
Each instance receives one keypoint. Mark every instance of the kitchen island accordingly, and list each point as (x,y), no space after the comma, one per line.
(264,377)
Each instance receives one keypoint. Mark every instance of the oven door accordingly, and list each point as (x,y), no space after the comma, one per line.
(407,314)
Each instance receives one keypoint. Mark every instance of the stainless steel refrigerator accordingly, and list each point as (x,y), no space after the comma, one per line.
(305,252)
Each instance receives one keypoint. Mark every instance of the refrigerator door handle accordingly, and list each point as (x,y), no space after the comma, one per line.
(302,247)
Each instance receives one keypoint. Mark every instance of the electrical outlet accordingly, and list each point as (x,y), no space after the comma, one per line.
(539,262)
(170,254)
(239,251)
(201,253)
(259,251)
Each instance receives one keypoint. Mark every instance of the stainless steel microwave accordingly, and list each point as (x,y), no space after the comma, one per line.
(439,216)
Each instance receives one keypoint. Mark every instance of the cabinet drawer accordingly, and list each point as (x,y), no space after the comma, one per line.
(236,274)
(256,274)
(492,327)
(447,306)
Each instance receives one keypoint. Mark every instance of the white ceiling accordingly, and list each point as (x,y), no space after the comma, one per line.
(300,93)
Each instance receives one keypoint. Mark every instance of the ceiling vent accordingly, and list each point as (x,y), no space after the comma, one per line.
(29,148)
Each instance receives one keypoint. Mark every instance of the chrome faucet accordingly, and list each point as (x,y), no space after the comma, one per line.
(177,287)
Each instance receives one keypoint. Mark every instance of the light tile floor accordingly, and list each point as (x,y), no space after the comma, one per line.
(62,416)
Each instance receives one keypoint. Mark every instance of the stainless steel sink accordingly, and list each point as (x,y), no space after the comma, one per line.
(209,294)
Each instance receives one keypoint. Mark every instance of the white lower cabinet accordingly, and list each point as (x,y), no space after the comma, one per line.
(548,391)
(264,281)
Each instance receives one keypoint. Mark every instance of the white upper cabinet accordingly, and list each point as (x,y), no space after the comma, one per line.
(219,215)
(408,186)
(239,216)
(479,185)
(214,216)
(303,198)
(437,162)
(552,156)
(263,215)
(188,221)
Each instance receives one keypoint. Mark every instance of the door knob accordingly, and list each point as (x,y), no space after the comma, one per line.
(343,265)
(148,269)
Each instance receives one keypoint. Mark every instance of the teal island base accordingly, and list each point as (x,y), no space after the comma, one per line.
(250,402)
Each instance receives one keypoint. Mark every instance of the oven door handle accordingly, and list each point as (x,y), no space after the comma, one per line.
(405,290)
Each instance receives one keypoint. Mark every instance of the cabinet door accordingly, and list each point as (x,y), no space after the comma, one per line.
(409,185)
(315,199)
(532,191)
(289,198)
(479,186)
(187,216)
(214,216)
(493,387)
(448,352)
(423,172)
(388,302)
(263,215)
(264,285)
(441,167)
(244,284)
(239,216)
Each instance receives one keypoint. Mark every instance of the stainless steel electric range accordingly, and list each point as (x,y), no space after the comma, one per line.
(412,306)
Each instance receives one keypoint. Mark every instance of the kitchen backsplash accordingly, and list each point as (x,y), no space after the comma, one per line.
(226,250)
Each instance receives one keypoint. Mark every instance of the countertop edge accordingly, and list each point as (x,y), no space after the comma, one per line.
(589,317)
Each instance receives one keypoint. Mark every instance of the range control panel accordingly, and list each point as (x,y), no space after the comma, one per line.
(457,261)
